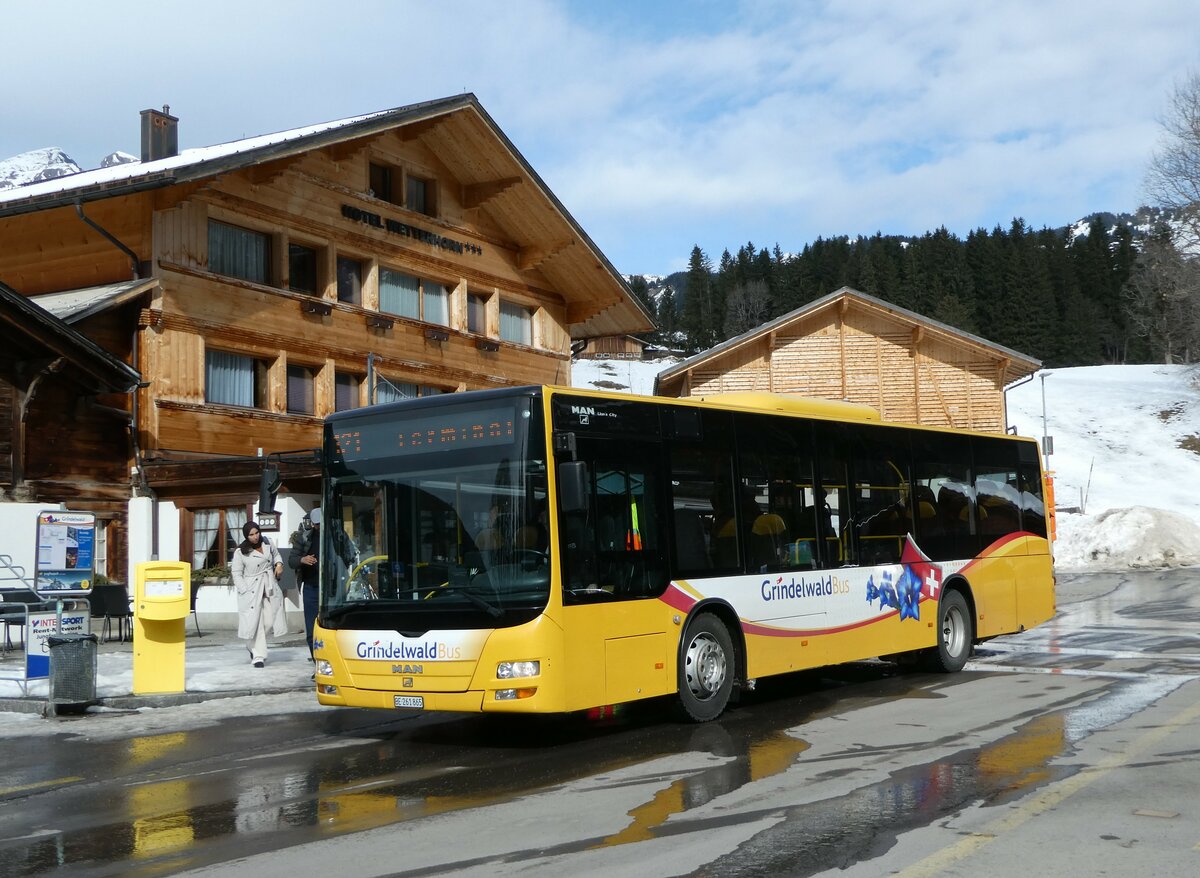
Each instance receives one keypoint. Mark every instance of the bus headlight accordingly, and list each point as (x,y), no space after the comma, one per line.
(324,668)
(509,670)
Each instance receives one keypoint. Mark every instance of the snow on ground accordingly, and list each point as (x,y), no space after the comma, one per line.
(1126,455)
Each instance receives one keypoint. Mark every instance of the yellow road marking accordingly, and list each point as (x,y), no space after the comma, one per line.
(7,791)
(1044,801)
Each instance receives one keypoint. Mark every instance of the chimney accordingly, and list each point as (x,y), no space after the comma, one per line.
(160,134)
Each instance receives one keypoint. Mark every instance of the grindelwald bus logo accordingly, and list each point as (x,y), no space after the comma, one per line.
(425,649)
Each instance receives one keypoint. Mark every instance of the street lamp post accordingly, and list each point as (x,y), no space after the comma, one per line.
(1047,439)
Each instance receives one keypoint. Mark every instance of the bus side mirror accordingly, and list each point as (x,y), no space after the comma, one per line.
(573,486)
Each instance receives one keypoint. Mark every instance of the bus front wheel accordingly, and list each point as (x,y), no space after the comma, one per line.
(955,634)
(707,666)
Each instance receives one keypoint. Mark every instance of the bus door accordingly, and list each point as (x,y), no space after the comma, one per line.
(613,555)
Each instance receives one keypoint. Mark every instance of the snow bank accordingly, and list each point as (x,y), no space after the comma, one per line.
(1136,538)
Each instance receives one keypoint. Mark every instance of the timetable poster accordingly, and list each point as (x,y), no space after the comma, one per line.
(66,553)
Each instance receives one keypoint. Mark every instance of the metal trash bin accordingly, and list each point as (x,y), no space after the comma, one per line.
(72,670)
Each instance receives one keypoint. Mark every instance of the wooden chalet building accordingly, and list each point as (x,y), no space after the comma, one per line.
(854,347)
(254,286)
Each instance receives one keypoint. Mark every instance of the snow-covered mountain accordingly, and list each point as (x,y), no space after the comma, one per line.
(36,166)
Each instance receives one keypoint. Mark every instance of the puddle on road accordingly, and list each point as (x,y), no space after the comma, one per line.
(159,828)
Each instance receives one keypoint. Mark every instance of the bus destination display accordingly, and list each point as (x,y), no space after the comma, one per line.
(445,431)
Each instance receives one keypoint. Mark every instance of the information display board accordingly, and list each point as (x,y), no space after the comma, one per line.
(66,554)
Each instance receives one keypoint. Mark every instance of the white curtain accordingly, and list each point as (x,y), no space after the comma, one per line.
(238,252)
(204,534)
(437,303)
(516,323)
(228,379)
(235,517)
(399,293)
(387,391)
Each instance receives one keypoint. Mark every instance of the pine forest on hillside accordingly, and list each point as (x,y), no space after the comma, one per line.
(1066,299)
(1125,291)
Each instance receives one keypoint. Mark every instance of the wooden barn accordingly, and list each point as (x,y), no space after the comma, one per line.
(613,347)
(854,347)
(259,285)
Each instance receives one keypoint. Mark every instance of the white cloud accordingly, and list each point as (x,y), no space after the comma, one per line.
(807,119)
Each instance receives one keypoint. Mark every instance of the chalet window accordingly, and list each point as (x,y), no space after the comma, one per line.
(216,533)
(384,180)
(394,391)
(300,390)
(435,303)
(100,552)
(238,252)
(399,293)
(420,196)
(234,379)
(516,323)
(409,296)
(345,391)
(349,280)
(302,268)
(476,313)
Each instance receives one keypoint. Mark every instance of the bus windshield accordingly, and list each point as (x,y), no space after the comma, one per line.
(428,527)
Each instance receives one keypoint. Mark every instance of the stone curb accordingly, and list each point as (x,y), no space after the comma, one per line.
(41,706)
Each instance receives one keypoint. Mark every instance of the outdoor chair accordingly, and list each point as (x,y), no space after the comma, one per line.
(112,602)
(14,616)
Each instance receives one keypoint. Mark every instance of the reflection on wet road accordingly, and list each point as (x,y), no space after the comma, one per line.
(808,786)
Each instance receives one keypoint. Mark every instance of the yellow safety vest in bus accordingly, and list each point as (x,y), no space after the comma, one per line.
(633,537)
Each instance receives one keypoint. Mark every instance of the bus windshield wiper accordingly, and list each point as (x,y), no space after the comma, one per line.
(492,610)
(341,610)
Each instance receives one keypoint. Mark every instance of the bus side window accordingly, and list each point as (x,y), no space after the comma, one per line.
(702,489)
(775,469)
(1033,504)
(998,501)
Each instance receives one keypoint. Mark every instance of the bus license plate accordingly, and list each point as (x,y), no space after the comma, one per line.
(410,701)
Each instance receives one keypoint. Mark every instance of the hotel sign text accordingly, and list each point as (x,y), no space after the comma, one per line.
(367,218)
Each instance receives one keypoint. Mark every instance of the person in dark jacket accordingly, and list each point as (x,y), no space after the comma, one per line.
(305,559)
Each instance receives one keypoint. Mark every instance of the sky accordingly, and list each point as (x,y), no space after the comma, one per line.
(1117,456)
(663,125)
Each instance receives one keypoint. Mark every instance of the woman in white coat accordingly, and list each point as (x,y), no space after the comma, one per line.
(256,569)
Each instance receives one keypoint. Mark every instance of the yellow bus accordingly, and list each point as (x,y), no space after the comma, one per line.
(548,550)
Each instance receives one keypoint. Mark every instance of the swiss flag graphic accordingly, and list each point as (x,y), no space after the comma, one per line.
(925,571)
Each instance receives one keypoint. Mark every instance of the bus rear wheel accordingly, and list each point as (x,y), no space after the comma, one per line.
(955,634)
(707,669)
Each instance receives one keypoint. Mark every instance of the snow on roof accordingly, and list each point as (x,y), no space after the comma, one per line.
(186,158)
(71,306)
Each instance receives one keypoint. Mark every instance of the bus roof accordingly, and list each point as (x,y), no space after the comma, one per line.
(783,403)
(748,401)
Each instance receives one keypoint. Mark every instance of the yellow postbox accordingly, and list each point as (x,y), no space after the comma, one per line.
(162,602)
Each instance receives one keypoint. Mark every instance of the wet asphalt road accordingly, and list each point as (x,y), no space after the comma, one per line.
(1086,729)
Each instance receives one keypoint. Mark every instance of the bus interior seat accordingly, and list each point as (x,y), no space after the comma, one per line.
(691,549)
(928,520)
(768,538)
